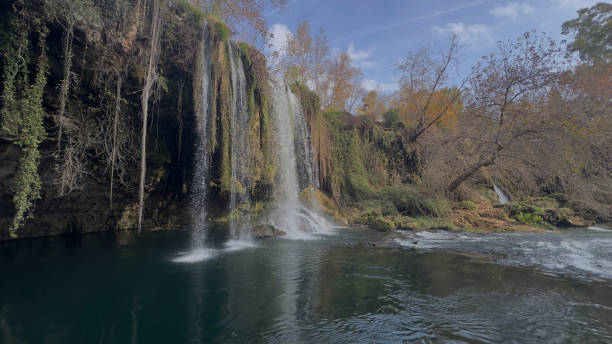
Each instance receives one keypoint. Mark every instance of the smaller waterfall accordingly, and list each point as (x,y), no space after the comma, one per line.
(303,146)
(503,197)
(199,189)
(240,188)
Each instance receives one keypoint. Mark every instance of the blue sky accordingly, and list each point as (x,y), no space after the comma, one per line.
(377,34)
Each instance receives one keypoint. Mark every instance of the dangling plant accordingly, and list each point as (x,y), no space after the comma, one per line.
(22,116)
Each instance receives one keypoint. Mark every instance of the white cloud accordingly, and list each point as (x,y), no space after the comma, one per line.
(280,33)
(357,55)
(574,4)
(512,10)
(359,58)
(466,33)
(373,85)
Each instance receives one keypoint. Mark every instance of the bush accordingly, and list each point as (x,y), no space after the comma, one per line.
(528,218)
(410,202)
(390,117)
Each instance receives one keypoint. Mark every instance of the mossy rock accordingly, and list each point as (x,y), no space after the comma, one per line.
(324,203)
(410,202)
(565,217)
(381,224)
(522,207)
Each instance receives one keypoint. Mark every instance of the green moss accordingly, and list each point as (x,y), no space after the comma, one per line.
(222,30)
(376,221)
(192,14)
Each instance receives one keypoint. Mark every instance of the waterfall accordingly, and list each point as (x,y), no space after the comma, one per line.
(303,145)
(202,157)
(240,188)
(503,197)
(291,137)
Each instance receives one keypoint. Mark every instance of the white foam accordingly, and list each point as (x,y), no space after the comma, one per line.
(600,229)
(238,244)
(194,256)
(574,254)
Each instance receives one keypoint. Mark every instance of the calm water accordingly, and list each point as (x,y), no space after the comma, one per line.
(421,287)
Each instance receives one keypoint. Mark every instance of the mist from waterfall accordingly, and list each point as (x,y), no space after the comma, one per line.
(199,189)
(291,140)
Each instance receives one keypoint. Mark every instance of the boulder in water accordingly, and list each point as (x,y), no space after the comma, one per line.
(267,231)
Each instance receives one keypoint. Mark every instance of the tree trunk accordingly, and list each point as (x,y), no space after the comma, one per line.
(150,77)
(114,149)
(469,172)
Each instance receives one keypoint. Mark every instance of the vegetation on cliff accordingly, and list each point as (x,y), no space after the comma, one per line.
(99,105)
(114,110)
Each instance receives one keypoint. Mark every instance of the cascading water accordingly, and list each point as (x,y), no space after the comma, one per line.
(199,188)
(240,188)
(503,197)
(290,215)
(202,156)
(302,145)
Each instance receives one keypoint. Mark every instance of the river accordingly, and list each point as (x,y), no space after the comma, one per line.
(347,286)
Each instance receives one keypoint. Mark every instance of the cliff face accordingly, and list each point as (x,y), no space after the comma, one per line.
(92,126)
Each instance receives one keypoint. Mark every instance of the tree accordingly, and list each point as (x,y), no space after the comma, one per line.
(298,54)
(344,83)
(245,17)
(320,62)
(506,101)
(421,79)
(372,106)
(591,33)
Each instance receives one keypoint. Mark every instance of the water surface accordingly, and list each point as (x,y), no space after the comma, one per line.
(424,287)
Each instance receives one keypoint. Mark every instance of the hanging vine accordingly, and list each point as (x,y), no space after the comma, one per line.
(22,116)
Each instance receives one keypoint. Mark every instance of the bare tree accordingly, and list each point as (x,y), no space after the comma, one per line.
(422,78)
(506,100)
(320,61)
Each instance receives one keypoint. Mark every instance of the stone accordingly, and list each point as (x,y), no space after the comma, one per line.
(267,231)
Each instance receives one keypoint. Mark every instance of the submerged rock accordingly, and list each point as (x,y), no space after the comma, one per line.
(267,231)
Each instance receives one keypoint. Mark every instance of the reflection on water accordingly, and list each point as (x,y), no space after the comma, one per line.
(115,289)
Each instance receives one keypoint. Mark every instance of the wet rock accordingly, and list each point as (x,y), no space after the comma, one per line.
(565,217)
(267,231)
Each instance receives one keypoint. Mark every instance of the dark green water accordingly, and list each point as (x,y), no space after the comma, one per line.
(335,289)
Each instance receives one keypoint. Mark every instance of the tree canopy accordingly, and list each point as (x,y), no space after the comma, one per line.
(591,32)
